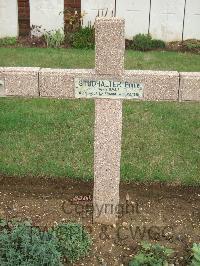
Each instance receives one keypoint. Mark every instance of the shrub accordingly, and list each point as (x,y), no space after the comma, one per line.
(54,39)
(158,44)
(151,255)
(74,241)
(144,42)
(192,45)
(84,38)
(8,41)
(195,255)
(21,244)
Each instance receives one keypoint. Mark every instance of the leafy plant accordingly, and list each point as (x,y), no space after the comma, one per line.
(192,45)
(8,41)
(84,38)
(144,42)
(195,255)
(158,44)
(3,223)
(54,39)
(73,19)
(74,241)
(24,245)
(151,255)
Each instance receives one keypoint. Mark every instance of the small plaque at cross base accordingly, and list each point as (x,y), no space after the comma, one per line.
(108,89)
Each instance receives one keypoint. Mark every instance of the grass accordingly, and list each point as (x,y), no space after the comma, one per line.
(42,137)
(46,137)
(49,137)
(161,142)
(74,58)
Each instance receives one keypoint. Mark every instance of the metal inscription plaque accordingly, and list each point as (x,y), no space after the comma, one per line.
(87,88)
(2,88)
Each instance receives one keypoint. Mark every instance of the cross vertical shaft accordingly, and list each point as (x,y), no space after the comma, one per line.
(110,46)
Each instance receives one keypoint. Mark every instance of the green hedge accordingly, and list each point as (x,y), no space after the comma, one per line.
(144,42)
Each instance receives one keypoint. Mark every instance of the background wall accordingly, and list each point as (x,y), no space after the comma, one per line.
(8,18)
(47,13)
(136,14)
(192,20)
(169,20)
(91,9)
(166,20)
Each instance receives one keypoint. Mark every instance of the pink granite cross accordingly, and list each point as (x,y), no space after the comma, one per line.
(110,46)
(108,84)
(109,88)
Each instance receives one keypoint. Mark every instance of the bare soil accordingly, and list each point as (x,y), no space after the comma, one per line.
(164,214)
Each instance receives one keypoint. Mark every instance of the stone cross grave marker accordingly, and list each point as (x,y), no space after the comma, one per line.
(108,84)
(108,90)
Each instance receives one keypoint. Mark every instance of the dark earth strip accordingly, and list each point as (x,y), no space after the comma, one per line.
(159,213)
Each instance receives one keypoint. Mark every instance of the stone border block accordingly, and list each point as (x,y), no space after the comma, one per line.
(59,83)
(190,86)
(2,82)
(21,81)
(1,70)
(110,46)
(56,83)
(158,85)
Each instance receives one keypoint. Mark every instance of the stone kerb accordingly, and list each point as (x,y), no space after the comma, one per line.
(21,81)
(190,86)
(2,82)
(59,83)
(158,85)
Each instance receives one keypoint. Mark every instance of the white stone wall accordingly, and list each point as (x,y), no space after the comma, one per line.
(8,18)
(192,20)
(91,7)
(166,16)
(136,14)
(47,13)
(167,19)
